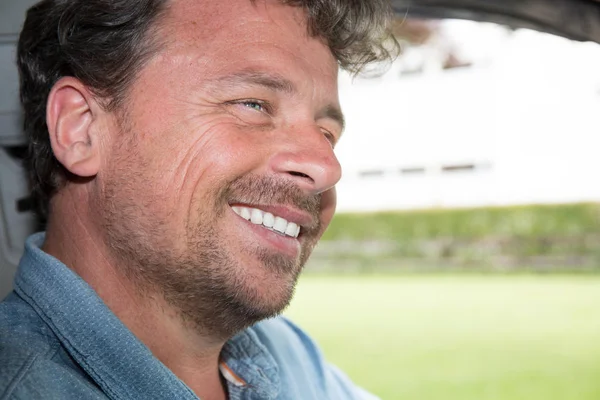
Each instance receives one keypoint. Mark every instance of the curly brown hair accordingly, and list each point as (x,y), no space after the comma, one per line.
(105,43)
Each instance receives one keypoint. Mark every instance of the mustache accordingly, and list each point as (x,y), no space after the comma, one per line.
(267,190)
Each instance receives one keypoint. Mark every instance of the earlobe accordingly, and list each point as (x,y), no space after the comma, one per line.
(70,117)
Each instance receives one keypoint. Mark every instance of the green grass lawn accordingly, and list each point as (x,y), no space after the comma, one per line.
(459,337)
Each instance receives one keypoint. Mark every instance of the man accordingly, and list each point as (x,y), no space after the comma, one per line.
(182,152)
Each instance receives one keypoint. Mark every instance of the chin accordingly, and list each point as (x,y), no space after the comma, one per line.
(272,295)
(268,288)
(223,298)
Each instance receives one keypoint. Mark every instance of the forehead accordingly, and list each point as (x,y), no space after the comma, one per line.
(221,35)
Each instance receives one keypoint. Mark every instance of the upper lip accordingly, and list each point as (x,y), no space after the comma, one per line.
(289,213)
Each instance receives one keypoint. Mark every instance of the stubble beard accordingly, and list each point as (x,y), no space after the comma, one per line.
(205,283)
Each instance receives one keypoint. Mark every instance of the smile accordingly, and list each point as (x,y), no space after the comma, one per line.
(268,221)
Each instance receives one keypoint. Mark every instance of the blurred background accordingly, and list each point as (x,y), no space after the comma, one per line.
(463,261)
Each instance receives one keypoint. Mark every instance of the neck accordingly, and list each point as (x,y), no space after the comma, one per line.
(190,356)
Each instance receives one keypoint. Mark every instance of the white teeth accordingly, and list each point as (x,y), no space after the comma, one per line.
(268,220)
(245,213)
(291,229)
(280,224)
(257,217)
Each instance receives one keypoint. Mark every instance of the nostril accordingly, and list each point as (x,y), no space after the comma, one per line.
(300,174)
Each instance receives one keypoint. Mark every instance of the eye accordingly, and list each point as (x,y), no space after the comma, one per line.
(330,137)
(257,105)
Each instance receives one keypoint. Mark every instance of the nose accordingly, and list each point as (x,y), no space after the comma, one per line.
(308,159)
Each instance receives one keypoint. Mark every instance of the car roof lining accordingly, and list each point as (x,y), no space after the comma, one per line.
(573,19)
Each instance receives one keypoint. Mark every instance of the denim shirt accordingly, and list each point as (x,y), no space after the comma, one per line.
(58,340)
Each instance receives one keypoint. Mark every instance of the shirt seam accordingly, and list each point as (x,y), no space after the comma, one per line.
(24,370)
(27,367)
(19,377)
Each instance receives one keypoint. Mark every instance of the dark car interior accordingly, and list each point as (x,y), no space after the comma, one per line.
(15,225)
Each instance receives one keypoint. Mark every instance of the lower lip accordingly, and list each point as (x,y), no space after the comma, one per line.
(284,244)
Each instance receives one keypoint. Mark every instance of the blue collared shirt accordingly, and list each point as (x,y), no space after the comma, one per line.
(58,340)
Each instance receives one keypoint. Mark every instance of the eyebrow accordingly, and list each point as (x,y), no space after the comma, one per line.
(277,83)
(269,81)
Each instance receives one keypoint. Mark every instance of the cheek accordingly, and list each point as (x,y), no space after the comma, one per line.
(179,153)
(223,153)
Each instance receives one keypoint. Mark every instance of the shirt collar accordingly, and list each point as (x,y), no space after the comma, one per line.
(255,368)
(105,348)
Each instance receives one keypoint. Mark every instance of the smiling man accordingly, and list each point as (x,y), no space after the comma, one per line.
(182,152)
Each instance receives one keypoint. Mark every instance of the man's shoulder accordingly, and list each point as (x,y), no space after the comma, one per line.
(22,331)
(33,364)
(20,324)
(29,374)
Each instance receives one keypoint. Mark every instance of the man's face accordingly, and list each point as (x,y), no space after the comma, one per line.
(221,181)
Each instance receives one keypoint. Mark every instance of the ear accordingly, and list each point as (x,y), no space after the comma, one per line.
(70,115)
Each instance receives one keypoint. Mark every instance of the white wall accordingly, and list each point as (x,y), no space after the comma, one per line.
(524,115)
